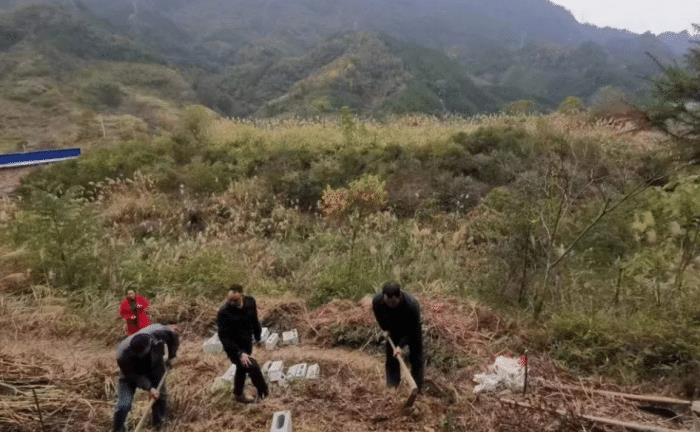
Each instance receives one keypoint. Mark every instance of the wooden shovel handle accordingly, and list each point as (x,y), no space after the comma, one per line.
(405,371)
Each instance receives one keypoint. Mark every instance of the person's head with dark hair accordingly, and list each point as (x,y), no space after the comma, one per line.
(235,295)
(131,294)
(392,294)
(140,344)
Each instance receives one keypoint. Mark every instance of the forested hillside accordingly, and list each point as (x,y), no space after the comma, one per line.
(311,57)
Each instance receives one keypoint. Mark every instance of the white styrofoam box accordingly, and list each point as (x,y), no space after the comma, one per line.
(266,367)
(225,380)
(276,371)
(264,334)
(313,371)
(272,341)
(213,345)
(229,374)
(296,372)
(290,337)
(281,422)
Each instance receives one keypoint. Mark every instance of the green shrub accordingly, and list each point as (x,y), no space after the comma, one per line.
(188,268)
(63,238)
(342,279)
(639,347)
(571,105)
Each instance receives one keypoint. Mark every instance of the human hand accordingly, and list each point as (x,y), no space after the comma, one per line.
(154,394)
(245,360)
(397,352)
(133,317)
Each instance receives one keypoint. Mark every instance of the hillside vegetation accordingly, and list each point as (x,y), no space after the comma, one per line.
(583,229)
(96,71)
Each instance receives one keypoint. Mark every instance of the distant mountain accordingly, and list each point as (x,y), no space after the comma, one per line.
(306,57)
(680,42)
(68,76)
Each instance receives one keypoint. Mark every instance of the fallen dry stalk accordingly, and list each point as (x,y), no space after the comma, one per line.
(594,419)
(628,396)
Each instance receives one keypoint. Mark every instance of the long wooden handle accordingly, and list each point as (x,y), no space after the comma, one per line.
(142,422)
(405,371)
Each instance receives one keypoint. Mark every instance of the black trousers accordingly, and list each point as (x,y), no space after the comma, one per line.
(256,377)
(125,397)
(393,368)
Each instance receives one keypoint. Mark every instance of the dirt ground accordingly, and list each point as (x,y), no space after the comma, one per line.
(10,179)
(74,380)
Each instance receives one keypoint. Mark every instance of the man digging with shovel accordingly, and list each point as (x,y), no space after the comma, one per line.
(141,363)
(398,314)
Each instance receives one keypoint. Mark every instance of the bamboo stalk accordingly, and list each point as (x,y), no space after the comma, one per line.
(595,419)
(633,397)
(38,408)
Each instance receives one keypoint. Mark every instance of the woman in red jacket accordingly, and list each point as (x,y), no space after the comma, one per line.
(134,310)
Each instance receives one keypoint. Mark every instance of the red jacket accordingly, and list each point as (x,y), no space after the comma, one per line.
(138,319)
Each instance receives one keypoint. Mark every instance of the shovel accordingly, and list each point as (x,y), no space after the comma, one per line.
(405,372)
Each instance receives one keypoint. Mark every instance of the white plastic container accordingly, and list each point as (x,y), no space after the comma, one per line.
(264,334)
(272,341)
(213,345)
(281,422)
(275,371)
(290,337)
(297,372)
(313,372)
(504,373)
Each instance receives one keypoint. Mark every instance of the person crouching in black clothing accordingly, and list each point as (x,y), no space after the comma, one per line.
(398,313)
(238,323)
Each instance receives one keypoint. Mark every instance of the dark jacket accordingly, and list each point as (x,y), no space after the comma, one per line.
(237,327)
(141,371)
(403,323)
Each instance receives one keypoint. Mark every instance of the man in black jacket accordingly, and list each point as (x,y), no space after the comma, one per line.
(140,360)
(398,313)
(238,324)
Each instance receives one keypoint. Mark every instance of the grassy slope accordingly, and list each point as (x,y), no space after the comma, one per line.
(64,74)
(465,199)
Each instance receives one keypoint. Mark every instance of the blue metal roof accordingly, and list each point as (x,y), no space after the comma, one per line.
(14,160)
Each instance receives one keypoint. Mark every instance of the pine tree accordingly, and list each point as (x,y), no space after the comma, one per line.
(678,109)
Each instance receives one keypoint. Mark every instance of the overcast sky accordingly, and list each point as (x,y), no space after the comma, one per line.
(639,16)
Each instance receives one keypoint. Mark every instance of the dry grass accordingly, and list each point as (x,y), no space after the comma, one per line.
(74,376)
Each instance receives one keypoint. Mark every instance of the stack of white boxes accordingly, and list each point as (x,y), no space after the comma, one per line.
(274,372)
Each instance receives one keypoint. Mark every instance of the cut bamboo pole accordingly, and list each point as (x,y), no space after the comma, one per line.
(595,419)
(633,397)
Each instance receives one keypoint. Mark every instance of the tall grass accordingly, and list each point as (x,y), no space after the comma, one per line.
(472,207)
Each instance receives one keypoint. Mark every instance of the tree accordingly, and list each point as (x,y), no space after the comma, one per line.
(365,196)
(571,105)
(521,107)
(677,110)
(610,101)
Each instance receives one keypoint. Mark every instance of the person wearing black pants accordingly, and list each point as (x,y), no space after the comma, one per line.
(238,324)
(141,363)
(398,313)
